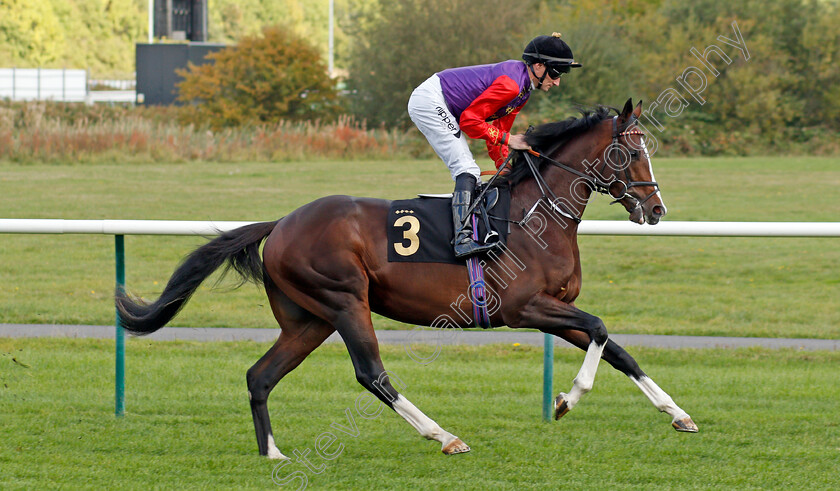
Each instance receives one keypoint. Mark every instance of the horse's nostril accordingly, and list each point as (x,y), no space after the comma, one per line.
(658,211)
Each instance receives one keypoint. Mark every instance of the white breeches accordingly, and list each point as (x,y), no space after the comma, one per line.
(427,109)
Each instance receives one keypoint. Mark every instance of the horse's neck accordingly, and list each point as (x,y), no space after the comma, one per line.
(571,189)
(571,192)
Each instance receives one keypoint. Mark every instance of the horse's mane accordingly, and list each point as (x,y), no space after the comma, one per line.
(548,137)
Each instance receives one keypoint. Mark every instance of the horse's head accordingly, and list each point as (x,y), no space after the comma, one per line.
(626,168)
(597,152)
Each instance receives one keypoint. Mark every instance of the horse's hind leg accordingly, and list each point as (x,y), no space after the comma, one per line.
(370,372)
(552,316)
(583,381)
(328,278)
(616,356)
(301,334)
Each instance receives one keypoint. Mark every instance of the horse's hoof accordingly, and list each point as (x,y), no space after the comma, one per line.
(274,454)
(561,407)
(456,446)
(685,424)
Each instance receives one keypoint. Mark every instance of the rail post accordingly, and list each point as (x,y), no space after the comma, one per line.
(548,376)
(119,383)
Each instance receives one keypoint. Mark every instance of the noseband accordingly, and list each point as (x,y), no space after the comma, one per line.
(594,182)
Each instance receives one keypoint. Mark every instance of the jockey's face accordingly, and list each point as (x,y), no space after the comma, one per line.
(548,82)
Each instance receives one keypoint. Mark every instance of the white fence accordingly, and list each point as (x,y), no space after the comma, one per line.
(115,227)
(39,84)
(26,84)
(587,227)
(113,84)
(119,228)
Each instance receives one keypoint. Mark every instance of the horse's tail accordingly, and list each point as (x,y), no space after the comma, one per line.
(238,248)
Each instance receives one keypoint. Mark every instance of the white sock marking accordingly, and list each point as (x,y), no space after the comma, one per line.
(422,423)
(659,398)
(586,376)
(273,451)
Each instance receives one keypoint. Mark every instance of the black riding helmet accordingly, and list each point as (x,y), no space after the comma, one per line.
(552,52)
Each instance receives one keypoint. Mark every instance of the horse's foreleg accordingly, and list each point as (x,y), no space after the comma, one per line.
(450,444)
(681,421)
(364,351)
(295,343)
(616,356)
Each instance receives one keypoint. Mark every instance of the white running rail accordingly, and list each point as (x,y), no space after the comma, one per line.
(587,227)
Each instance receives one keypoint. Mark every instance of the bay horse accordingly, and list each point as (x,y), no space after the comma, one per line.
(325,268)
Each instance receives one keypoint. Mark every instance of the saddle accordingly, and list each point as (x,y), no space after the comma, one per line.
(421,229)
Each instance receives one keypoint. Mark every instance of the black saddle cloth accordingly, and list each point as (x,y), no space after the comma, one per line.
(420,230)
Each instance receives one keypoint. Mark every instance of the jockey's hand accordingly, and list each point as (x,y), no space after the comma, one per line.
(517,142)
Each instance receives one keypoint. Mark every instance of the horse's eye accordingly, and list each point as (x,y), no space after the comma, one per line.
(634,154)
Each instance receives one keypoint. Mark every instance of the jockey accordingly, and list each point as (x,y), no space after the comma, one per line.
(481,102)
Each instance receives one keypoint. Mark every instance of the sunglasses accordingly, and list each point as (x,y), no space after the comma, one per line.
(556,71)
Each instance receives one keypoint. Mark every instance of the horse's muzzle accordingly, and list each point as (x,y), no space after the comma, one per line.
(651,215)
(655,213)
(637,215)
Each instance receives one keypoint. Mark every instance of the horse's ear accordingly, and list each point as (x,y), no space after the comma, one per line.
(638,111)
(628,108)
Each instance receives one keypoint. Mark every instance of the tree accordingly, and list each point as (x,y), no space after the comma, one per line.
(30,34)
(94,34)
(265,78)
(403,42)
(101,34)
(598,40)
(231,19)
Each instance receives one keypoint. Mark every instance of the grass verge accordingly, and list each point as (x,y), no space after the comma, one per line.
(766,420)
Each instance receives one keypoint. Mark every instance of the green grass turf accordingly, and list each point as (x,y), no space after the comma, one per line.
(767,420)
(777,287)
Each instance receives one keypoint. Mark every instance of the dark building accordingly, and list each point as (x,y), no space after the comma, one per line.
(181,20)
(156,65)
(175,20)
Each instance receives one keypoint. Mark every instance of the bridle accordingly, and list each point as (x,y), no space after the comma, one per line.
(594,182)
(628,129)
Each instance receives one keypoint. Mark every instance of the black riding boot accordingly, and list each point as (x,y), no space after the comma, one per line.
(464,244)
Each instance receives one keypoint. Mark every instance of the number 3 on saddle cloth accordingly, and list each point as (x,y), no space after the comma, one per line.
(420,230)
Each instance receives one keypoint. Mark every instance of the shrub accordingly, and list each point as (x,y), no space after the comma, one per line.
(264,79)
(67,133)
